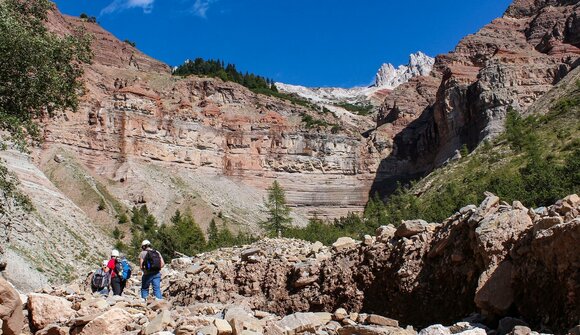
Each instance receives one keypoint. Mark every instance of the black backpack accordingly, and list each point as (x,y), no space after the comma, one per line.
(100,279)
(152,261)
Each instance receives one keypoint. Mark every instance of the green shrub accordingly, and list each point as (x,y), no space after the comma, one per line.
(102,205)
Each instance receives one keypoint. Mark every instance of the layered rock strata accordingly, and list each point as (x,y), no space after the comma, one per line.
(135,115)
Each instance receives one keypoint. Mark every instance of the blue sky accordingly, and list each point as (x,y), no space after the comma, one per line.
(306,42)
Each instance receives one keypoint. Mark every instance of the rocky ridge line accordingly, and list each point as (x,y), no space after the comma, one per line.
(387,78)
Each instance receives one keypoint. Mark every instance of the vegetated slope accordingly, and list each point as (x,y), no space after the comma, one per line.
(536,161)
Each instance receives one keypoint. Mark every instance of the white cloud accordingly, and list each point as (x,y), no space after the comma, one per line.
(200,7)
(118,5)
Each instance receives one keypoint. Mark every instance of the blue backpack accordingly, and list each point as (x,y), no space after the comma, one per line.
(124,269)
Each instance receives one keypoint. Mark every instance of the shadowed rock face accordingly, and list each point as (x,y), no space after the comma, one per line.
(494,259)
(510,62)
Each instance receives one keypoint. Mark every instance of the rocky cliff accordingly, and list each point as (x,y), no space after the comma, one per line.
(510,62)
(162,140)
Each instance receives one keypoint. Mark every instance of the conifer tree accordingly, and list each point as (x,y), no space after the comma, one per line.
(278,211)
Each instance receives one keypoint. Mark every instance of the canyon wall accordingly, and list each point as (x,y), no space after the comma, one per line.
(510,62)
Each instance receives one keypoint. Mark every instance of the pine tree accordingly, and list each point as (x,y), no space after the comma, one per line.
(213,235)
(278,212)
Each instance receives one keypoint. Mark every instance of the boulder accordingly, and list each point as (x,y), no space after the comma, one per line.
(250,252)
(521,330)
(572,200)
(45,309)
(494,291)
(382,321)
(112,322)
(207,330)
(547,222)
(317,246)
(11,316)
(54,330)
(223,327)
(295,324)
(474,331)
(97,303)
(162,320)
(411,227)
(241,320)
(385,233)
(186,330)
(343,243)
(373,330)
(435,330)
(340,314)
(368,240)
(489,202)
(323,317)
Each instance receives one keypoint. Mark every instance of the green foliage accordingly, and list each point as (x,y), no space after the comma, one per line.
(131,43)
(278,211)
(118,234)
(183,235)
(90,19)
(102,205)
(358,108)
(219,237)
(143,226)
(39,72)
(123,218)
(217,68)
(311,122)
(517,131)
(464,151)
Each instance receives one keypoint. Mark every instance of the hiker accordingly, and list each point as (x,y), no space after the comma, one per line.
(151,262)
(101,279)
(120,272)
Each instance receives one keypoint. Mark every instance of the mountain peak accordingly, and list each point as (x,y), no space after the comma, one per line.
(390,77)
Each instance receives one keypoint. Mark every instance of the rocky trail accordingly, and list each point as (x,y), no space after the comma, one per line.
(495,268)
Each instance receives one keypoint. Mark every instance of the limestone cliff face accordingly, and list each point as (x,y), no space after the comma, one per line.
(136,116)
(510,62)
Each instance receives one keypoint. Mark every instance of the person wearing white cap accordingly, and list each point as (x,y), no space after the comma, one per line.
(114,264)
(101,279)
(151,262)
